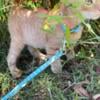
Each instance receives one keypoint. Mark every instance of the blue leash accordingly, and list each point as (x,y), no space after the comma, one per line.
(32,75)
(76,29)
(40,69)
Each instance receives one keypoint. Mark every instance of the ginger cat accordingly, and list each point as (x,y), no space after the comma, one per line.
(25,27)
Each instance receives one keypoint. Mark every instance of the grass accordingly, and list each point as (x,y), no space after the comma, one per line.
(48,86)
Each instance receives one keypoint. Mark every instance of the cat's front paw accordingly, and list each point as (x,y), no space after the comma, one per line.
(15,72)
(56,67)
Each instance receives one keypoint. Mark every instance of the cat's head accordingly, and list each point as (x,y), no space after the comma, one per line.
(90,9)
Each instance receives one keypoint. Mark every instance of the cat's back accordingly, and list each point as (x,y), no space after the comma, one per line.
(27,25)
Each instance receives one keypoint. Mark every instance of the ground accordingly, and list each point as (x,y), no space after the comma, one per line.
(80,79)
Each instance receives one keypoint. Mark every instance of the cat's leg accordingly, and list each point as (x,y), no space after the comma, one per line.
(51,49)
(70,53)
(74,37)
(37,55)
(14,52)
(56,66)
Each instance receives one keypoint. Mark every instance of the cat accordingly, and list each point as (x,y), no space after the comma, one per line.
(26,28)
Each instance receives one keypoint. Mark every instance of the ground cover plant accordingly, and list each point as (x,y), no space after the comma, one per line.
(80,79)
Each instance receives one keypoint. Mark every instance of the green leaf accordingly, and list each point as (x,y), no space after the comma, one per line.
(67,35)
(56,18)
(31,4)
(64,1)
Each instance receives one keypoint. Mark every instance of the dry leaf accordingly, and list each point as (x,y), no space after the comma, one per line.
(80,90)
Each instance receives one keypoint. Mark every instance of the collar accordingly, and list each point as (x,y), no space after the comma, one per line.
(76,29)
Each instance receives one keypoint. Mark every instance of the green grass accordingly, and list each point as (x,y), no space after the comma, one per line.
(48,86)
